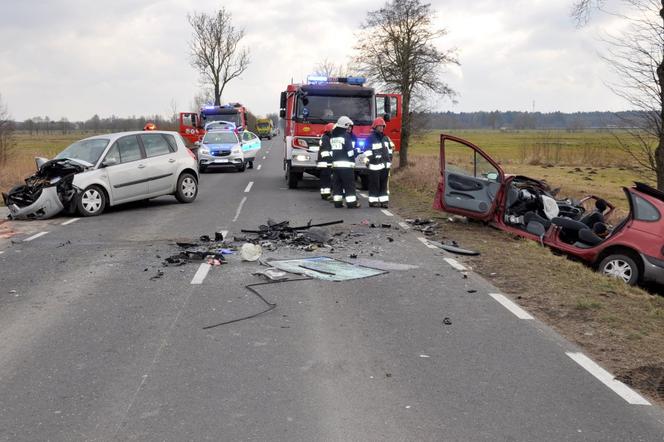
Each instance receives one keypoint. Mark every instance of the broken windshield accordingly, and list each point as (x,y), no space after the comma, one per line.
(326,109)
(89,150)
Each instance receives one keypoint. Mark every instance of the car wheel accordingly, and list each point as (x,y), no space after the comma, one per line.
(91,202)
(242,167)
(202,169)
(621,267)
(187,188)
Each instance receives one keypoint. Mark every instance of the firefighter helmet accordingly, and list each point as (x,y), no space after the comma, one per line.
(378,122)
(344,122)
(328,128)
(150,126)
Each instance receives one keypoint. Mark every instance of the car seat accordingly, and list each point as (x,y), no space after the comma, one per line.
(597,215)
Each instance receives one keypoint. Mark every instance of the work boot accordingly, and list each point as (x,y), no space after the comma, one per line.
(338,205)
(374,204)
(355,205)
(325,197)
(251,164)
(384,205)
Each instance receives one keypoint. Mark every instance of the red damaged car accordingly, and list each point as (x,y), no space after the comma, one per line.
(472,184)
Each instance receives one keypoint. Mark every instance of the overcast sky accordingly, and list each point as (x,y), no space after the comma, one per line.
(75,58)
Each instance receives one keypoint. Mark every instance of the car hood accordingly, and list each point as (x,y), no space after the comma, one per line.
(225,146)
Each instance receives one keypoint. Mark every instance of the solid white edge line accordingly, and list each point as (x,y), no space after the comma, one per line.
(201,273)
(239,209)
(511,306)
(259,167)
(404,225)
(66,223)
(363,195)
(454,263)
(248,188)
(1,252)
(426,243)
(606,378)
(387,212)
(35,236)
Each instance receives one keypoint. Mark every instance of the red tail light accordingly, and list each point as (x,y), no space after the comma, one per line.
(299,143)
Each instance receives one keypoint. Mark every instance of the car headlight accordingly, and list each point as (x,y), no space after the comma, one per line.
(236,150)
(204,150)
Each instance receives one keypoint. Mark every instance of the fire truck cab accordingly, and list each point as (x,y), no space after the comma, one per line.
(192,125)
(307,108)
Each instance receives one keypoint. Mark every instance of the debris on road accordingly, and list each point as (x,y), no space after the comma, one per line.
(426,226)
(326,268)
(272,274)
(251,252)
(447,321)
(454,248)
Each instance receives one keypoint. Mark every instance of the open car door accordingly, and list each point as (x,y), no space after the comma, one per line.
(470,181)
(388,106)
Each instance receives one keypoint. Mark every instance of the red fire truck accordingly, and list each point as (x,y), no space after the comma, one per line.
(307,108)
(193,126)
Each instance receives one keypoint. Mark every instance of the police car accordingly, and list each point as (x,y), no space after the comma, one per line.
(224,146)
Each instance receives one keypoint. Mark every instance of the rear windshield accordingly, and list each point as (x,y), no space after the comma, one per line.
(86,150)
(220,138)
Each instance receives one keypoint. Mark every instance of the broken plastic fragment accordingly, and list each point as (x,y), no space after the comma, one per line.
(251,252)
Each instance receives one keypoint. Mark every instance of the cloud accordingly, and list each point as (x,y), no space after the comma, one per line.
(73,58)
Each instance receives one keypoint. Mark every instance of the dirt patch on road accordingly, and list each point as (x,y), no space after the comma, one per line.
(621,327)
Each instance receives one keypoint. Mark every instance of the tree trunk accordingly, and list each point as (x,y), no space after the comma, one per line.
(217,95)
(405,131)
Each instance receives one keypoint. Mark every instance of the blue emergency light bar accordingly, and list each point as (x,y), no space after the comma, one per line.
(354,81)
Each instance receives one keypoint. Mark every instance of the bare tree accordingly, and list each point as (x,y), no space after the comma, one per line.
(636,55)
(215,50)
(6,134)
(397,50)
(202,98)
(328,68)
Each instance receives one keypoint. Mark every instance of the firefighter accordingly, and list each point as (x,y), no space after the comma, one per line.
(324,163)
(150,126)
(343,164)
(379,161)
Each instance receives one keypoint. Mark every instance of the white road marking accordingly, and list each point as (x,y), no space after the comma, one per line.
(239,209)
(404,225)
(259,167)
(363,195)
(201,273)
(608,379)
(454,263)
(73,220)
(35,236)
(1,252)
(511,306)
(425,356)
(426,243)
(387,212)
(248,188)
(263,157)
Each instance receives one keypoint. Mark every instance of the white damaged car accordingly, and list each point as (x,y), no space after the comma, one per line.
(107,170)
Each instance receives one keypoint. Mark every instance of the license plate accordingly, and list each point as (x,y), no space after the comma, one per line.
(223,161)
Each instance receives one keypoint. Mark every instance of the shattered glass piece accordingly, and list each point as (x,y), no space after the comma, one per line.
(326,268)
(272,274)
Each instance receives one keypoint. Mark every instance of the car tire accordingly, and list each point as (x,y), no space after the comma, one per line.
(242,168)
(292,177)
(92,201)
(202,169)
(622,267)
(187,188)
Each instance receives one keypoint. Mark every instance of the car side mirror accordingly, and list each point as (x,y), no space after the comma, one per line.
(493,176)
(386,117)
(282,113)
(387,105)
(109,162)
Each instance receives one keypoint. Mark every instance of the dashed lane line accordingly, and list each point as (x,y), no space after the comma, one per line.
(404,225)
(201,273)
(71,221)
(239,208)
(263,157)
(1,252)
(387,212)
(248,188)
(40,234)
(259,167)
(511,306)
(454,263)
(426,243)
(608,379)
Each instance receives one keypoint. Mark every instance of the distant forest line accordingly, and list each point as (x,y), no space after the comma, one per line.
(496,120)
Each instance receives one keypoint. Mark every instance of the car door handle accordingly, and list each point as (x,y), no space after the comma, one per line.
(141,166)
(172,160)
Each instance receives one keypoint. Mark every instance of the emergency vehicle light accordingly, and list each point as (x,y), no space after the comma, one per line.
(316,79)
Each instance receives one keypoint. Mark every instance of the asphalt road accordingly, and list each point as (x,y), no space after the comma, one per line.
(92,348)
